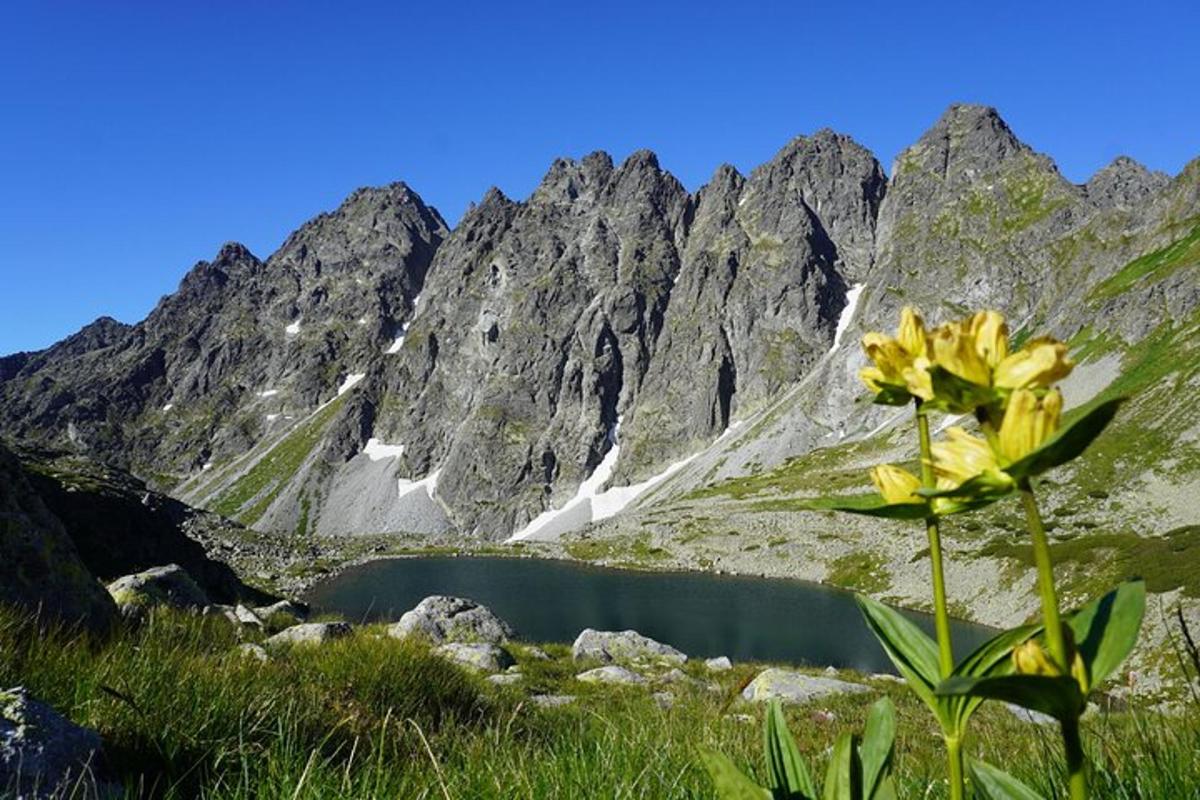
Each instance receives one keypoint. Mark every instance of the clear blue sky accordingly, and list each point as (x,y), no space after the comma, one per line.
(136,137)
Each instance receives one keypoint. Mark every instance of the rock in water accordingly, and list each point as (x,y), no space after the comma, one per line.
(611,646)
(310,633)
(42,753)
(795,687)
(167,586)
(611,674)
(452,619)
(480,656)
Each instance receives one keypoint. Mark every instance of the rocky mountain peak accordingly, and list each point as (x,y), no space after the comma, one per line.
(966,142)
(1124,184)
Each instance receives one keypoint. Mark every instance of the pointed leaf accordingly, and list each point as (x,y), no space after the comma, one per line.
(839,776)
(876,749)
(1068,443)
(955,394)
(892,396)
(871,505)
(908,647)
(992,783)
(1106,630)
(787,776)
(729,781)
(1057,696)
(992,658)
(886,790)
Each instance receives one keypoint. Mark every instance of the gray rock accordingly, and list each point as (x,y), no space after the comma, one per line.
(795,687)
(482,657)
(611,673)
(537,654)
(284,610)
(664,700)
(452,619)
(718,664)
(169,585)
(552,700)
(1030,716)
(43,754)
(505,679)
(310,633)
(609,646)
(255,651)
(678,676)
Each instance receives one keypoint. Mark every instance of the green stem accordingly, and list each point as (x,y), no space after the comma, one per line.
(941,615)
(1072,745)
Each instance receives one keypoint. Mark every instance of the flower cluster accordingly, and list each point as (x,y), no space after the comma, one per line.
(965,366)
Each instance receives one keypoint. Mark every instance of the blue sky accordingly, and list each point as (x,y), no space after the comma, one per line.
(136,137)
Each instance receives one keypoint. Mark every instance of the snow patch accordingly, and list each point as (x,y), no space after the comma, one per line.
(377,450)
(350,382)
(847,314)
(268,393)
(428,483)
(293,328)
(362,320)
(395,346)
(272,417)
(207,466)
(168,406)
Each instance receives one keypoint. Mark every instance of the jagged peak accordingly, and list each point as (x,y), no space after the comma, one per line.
(1124,182)
(966,140)
(641,160)
(567,178)
(234,251)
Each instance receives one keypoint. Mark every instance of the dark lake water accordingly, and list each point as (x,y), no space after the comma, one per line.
(703,615)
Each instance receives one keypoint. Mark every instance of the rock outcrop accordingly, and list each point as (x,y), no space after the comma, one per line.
(42,753)
(610,646)
(452,619)
(788,686)
(168,585)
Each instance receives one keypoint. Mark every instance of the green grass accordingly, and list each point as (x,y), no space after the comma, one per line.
(183,715)
(1158,264)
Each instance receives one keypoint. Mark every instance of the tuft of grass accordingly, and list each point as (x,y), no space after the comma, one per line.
(1159,264)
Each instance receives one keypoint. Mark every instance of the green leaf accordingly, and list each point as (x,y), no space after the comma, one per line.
(991,659)
(957,395)
(876,749)
(983,487)
(1056,695)
(839,776)
(871,505)
(729,781)
(892,396)
(914,653)
(1106,630)
(992,783)
(787,776)
(1068,443)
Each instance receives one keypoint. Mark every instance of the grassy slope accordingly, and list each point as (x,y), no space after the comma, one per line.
(183,716)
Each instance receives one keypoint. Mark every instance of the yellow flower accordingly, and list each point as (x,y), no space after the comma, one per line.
(990,334)
(962,457)
(895,484)
(1030,659)
(899,362)
(954,350)
(1028,423)
(1039,364)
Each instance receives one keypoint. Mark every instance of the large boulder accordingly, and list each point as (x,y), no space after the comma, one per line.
(452,619)
(282,614)
(42,753)
(611,674)
(40,568)
(610,646)
(480,656)
(788,686)
(310,633)
(169,585)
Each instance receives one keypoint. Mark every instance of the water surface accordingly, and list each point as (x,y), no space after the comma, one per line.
(703,615)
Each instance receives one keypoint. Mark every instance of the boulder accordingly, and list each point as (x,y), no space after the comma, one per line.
(255,651)
(664,700)
(718,664)
(478,656)
(795,687)
(158,586)
(537,653)
(505,679)
(552,700)
(452,619)
(310,633)
(282,614)
(611,674)
(610,646)
(42,753)
(678,676)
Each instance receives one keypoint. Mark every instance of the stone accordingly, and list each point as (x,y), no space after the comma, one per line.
(796,687)
(1029,715)
(610,646)
(478,656)
(537,654)
(718,664)
(42,753)
(611,674)
(664,700)
(168,585)
(678,676)
(552,700)
(505,679)
(452,619)
(310,633)
(283,612)
(255,651)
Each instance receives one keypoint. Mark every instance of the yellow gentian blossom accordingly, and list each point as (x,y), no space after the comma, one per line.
(990,334)
(963,457)
(896,485)
(1028,422)
(1039,364)
(954,350)
(900,362)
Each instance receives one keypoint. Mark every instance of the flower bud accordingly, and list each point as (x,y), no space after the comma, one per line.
(1030,659)
(1028,423)
(990,332)
(895,484)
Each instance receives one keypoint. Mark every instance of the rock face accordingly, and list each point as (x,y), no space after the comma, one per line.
(169,585)
(310,633)
(795,687)
(576,351)
(43,754)
(40,569)
(479,657)
(454,619)
(611,646)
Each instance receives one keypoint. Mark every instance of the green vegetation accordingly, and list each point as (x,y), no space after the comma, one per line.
(184,715)
(866,572)
(263,482)
(1158,265)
